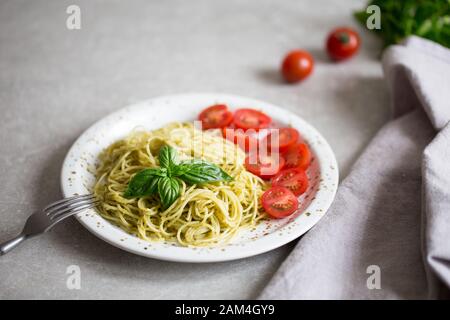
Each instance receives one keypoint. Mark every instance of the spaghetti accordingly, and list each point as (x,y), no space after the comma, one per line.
(203,215)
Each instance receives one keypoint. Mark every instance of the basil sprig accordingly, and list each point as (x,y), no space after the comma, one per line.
(166,180)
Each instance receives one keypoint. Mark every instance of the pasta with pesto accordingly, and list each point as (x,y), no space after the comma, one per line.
(204,214)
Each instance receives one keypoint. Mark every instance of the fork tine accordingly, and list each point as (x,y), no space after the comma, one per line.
(68,201)
(71,205)
(62,216)
(72,208)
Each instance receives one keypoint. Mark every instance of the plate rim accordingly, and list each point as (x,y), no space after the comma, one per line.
(238,254)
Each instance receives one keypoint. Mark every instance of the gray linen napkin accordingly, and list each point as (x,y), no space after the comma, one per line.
(387,234)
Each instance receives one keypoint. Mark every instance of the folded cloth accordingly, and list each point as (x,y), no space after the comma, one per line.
(387,234)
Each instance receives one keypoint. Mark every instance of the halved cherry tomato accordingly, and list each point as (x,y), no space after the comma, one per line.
(251,119)
(286,138)
(297,156)
(243,138)
(279,202)
(342,43)
(216,116)
(294,179)
(265,166)
(297,65)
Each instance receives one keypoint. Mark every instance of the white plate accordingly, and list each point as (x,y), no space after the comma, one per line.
(155,113)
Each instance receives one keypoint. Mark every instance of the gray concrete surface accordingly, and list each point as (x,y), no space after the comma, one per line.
(55,82)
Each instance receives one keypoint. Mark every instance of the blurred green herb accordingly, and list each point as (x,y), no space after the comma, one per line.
(401,18)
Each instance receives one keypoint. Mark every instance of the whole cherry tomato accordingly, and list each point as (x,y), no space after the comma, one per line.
(297,65)
(342,43)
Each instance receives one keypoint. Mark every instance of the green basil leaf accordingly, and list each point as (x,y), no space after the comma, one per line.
(144,183)
(169,191)
(179,170)
(167,157)
(199,171)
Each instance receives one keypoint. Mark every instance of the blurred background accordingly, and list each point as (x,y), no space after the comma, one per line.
(56,82)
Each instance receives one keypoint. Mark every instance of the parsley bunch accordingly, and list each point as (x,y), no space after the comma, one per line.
(401,18)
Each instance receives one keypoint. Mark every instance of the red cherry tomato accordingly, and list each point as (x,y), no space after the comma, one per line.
(286,138)
(294,179)
(279,202)
(245,139)
(251,119)
(342,43)
(265,167)
(216,116)
(297,156)
(297,65)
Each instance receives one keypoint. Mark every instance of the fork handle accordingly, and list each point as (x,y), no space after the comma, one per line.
(7,246)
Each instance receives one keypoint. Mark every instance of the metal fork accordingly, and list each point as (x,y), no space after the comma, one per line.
(43,220)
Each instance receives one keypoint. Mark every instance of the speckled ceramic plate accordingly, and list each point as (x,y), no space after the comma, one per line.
(77,179)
